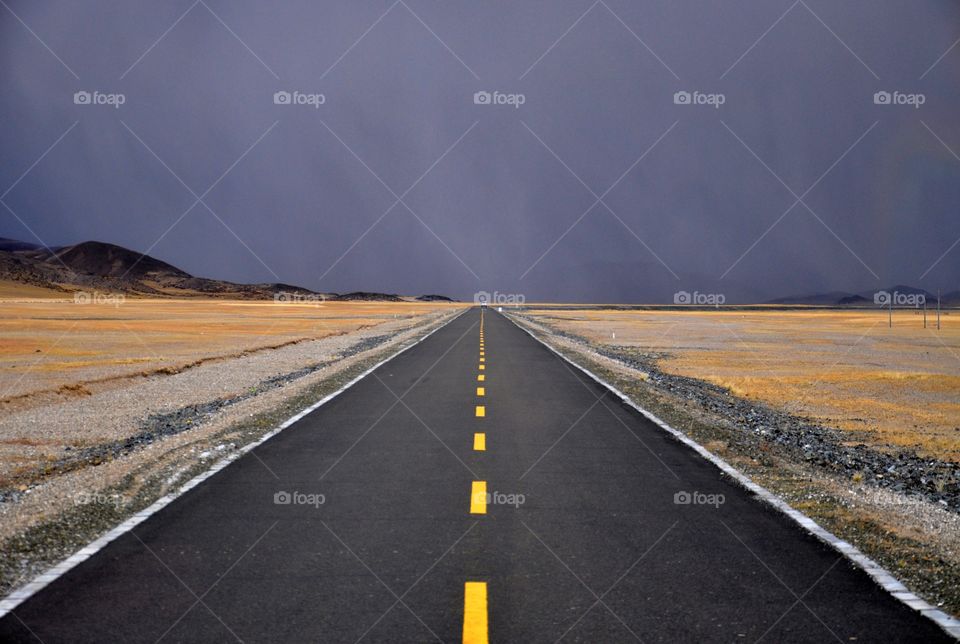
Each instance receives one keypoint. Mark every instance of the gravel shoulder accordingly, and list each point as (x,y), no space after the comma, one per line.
(86,464)
(899,509)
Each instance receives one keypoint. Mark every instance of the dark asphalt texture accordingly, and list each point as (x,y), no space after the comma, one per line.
(598,552)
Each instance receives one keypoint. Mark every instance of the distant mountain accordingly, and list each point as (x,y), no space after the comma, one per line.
(866,298)
(109,260)
(435,298)
(99,266)
(13,244)
(853,300)
(832,298)
(363,296)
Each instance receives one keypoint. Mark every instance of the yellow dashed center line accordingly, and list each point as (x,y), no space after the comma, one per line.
(475,613)
(478,498)
(475,627)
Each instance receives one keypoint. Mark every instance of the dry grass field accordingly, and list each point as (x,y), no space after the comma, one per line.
(56,344)
(896,387)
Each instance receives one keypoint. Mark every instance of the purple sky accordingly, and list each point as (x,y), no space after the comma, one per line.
(597,188)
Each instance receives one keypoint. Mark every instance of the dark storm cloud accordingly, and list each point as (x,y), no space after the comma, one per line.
(598,187)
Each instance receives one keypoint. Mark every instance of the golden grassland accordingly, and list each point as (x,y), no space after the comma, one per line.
(17,290)
(49,344)
(889,387)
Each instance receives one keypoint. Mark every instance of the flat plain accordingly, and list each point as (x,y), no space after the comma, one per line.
(892,388)
(49,345)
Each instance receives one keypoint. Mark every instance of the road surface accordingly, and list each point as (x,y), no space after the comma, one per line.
(473,487)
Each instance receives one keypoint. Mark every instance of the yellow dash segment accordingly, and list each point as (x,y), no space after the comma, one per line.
(481,391)
(481,411)
(481,377)
(475,613)
(482,359)
(482,367)
(478,498)
(479,442)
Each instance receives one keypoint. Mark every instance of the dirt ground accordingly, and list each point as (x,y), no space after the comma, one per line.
(889,387)
(61,345)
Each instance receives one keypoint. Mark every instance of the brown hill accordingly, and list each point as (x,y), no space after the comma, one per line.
(103,267)
(110,260)
(100,266)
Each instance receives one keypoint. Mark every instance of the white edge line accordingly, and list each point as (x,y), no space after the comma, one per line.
(25,592)
(881,575)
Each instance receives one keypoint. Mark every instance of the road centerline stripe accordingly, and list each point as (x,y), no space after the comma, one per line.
(475,613)
(481,391)
(479,442)
(478,498)
(481,411)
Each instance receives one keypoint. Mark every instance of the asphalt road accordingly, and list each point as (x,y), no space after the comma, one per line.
(581,537)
